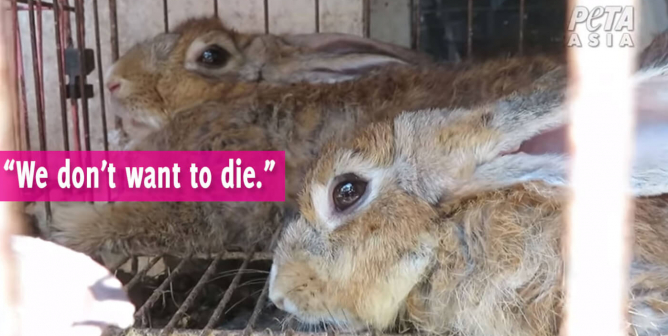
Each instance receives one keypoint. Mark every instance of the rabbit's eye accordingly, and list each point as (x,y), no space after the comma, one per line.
(348,192)
(214,57)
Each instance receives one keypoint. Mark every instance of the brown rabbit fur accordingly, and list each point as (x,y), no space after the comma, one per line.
(297,118)
(449,229)
(162,76)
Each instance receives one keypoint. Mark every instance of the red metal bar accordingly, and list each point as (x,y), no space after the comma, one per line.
(66,33)
(60,52)
(49,5)
(38,82)
(22,131)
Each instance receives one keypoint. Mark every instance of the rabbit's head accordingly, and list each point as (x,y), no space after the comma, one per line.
(366,236)
(202,60)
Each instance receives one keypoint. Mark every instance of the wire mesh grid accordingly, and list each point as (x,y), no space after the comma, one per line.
(199,295)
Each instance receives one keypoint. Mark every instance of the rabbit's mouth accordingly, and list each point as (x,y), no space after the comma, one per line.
(138,123)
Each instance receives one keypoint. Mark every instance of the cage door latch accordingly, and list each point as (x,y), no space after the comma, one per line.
(73,72)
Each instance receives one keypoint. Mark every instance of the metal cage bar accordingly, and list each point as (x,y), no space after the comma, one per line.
(81,44)
(469,29)
(37,77)
(57,12)
(265,6)
(165,14)
(22,98)
(100,76)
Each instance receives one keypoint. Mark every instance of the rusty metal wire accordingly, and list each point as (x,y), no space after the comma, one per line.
(192,296)
(141,313)
(135,280)
(215,317)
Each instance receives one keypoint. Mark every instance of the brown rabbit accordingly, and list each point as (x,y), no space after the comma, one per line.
(434,219)
(202,60)
(298,119)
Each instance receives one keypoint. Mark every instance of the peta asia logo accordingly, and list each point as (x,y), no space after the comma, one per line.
(610,26)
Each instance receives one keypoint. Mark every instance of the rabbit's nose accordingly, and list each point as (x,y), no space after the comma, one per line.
(113,86)
(279,303)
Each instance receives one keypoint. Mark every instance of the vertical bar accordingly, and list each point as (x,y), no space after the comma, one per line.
(9,218)
(520,46)
(23,104)
(15,75)
(266,16)
(81,45)
(165,14)
(57,12)
(317,16)
(113,32)
(215,8)
(18,76)
(600,209)
(66,33)
(38,82)
(366,12)
(40,54)
(469,23)
(100,76)
(415,24)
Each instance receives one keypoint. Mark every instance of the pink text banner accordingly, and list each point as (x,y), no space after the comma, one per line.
(142,176)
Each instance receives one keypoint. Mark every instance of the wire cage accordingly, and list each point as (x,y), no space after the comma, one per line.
(226,293)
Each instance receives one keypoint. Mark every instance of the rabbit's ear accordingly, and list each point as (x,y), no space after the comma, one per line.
(445,153)
(504,143)
(652,99)
(336,57)
(544,156)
